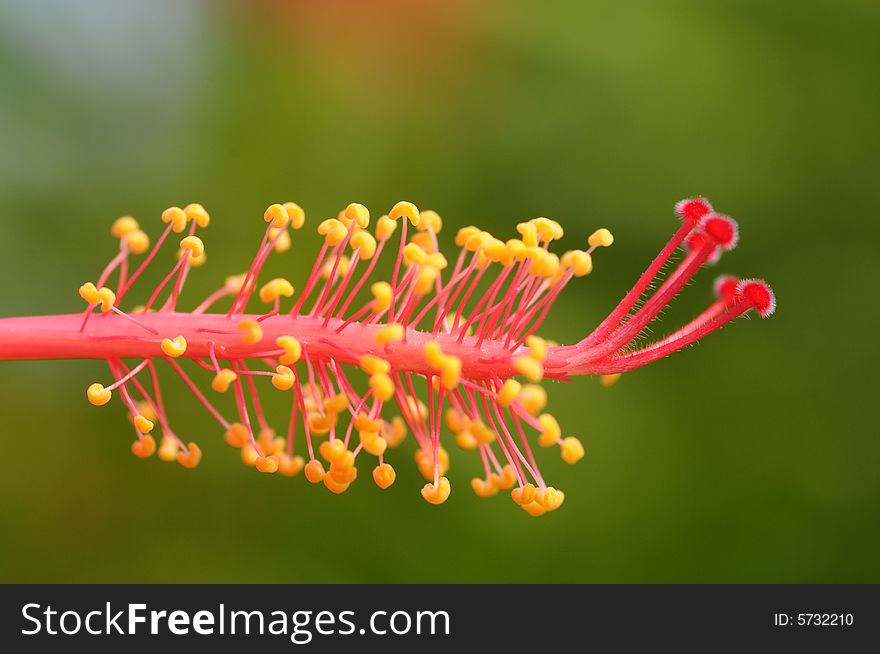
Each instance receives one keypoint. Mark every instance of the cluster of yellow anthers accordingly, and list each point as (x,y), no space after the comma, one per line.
(487,406)
(460,336)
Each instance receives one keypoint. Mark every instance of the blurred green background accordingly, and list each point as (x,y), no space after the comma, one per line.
(752,457)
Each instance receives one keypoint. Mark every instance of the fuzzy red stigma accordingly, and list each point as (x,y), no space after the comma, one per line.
(725,288)
(722,229)
(759,294)
(692,210)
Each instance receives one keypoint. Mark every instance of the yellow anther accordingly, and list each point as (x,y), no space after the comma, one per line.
(167,449)
(174,347)
(373,443)
(265,438)
(483,488)
(103,296)
(437,494)
(339,479)
(142,424)
(550,431)
(197,212)
(194,261)
(601,238)
(336,404)
(372,364)
(223,379)
(524,494)
(315,471)
(283,378)
(98,395)
(277,215)
(609,380)
(413,254)
(406,210)
(333,231)
(385,228)
(251,331)
(578,261)
(249,455)
(424,240)
(495,249)
(144,446)
(321,424)
(176,218)
(138,242)
(425,462)
(507,478)
(275,289)
(509,392)
(292,350)
(365,244)
(425,280)
(429,220)
(477,241)
(383,387)
(437,261)
(384,475)
(194,245)
(280,237)
(434,355)
(416,407)
(514,251)
(537,348)
(388,334)
(124,225)
(455,421)
(363,422)
(550,498)
(237,435)
(334,451)
(534,509)
(529,234)
(145,410)
(464,234)
(547,229)
(395,432)
(529,368)
(341,265)
(545,266)
(571,450)
(278,446)
(533,398)
(381,296)
(335,486)
(266,464)
(466,440)
(107,298)
(190,457)
(450,376)
(359,214)
(482,433)
(295,215)
(290,466)
(448,366)
(482,260)
(343,471)
(234,283)
(89,293)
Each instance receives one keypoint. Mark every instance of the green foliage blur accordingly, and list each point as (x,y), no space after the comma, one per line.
(752,457)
